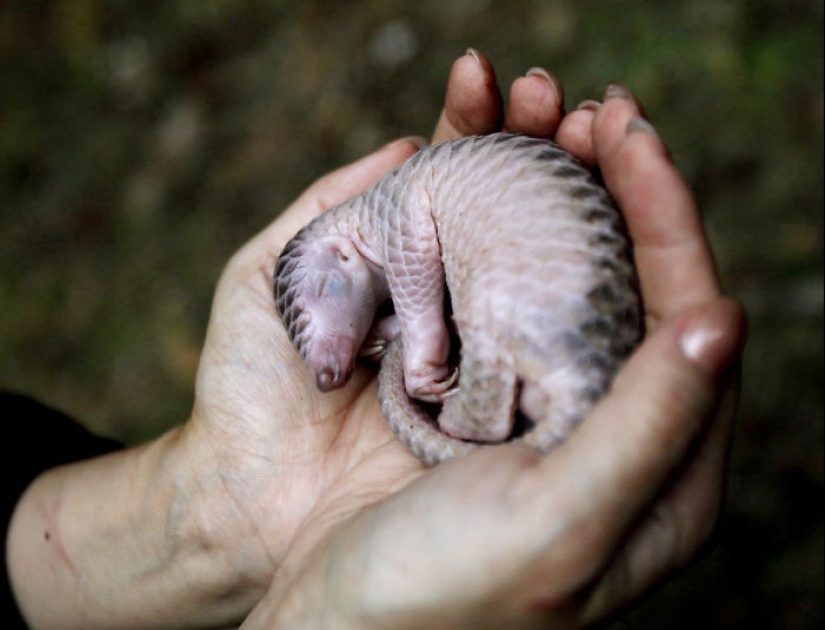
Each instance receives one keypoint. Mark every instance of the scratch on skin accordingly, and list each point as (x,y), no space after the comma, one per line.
(51,533)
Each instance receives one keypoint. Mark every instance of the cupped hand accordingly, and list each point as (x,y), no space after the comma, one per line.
(281,452)
(355,530)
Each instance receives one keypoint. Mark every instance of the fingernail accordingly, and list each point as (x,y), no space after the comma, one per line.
(589,104)
(714,339)
(549,77)
(418,141)
(540,72)
(698,342)
(617,90)
(475,55)
(639,124)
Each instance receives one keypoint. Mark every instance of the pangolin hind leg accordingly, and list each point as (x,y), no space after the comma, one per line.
(482,410)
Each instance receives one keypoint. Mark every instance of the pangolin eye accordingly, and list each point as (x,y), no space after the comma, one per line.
(332,285)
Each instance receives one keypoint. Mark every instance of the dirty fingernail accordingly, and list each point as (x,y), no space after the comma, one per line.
(618,90)
(589,104)
(540,72)
(639,124)
(549,77)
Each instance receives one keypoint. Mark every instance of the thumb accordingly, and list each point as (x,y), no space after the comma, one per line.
(328,191)
(343,183)
(625,453)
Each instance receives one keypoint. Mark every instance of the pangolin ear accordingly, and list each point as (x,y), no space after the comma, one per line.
(343,248)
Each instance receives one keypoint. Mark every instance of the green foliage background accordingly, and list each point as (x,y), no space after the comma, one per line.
(142,142)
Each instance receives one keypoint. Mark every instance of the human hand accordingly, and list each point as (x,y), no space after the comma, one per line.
(270,477)
(187,530)
(281,453)
(508,537)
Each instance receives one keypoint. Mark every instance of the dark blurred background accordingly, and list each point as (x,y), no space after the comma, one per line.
(142,142)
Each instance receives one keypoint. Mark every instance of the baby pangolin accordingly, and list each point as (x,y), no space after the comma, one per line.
(505,241)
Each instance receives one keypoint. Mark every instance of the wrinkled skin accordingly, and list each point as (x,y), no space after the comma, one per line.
(352,526)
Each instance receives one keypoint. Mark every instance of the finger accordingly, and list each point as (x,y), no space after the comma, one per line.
(338,186)
(683,519)
(611,118)
(674,260)
(575,133)
(536,104)
(473,104)
(675,529)
(612,468)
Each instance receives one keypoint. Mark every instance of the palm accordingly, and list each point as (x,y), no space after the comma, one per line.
(289,447)
(259,403)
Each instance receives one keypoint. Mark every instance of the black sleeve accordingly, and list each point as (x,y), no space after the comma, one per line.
(37,438)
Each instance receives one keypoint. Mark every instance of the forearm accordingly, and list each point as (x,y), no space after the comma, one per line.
(131,539)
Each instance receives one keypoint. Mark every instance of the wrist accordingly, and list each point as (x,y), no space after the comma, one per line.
(132,538)
(296,601)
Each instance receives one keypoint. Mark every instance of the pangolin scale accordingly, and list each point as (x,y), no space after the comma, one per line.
(507,242)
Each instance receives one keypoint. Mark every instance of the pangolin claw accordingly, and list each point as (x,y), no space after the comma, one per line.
(374,350)
(446,388)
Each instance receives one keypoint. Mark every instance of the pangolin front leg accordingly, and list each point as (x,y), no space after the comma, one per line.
(415,276)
